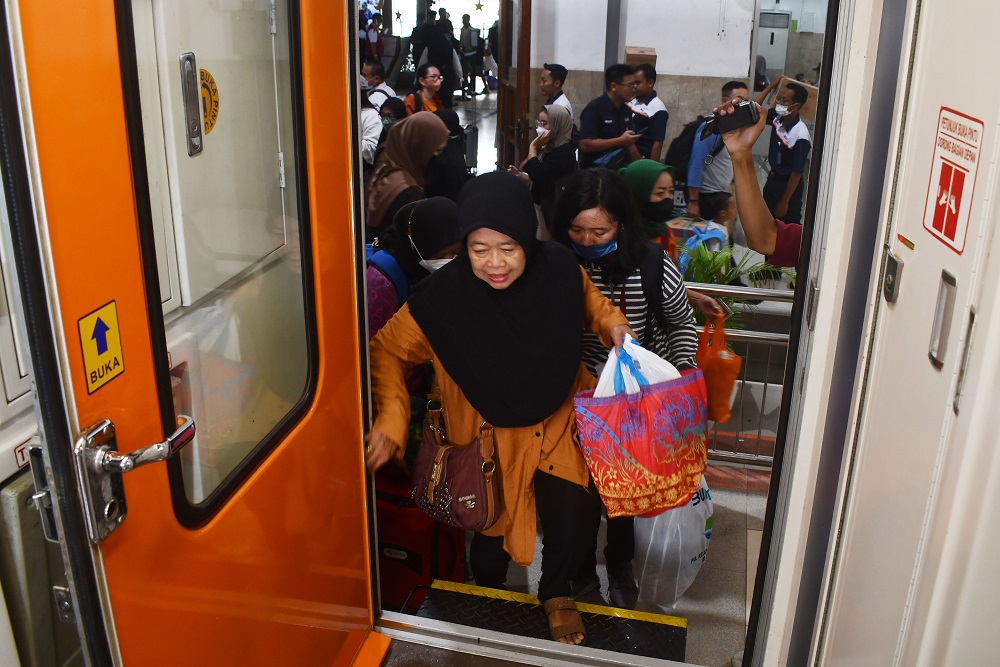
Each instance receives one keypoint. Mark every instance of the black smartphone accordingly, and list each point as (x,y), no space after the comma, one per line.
(745,113)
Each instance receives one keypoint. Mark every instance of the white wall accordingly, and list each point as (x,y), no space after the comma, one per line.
(694,37)
(569,32)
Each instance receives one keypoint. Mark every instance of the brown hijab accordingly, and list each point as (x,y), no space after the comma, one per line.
(408,148)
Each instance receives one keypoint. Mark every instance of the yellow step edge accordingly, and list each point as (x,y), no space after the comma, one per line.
(525,598)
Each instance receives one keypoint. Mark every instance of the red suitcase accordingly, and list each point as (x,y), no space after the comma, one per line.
(413,549)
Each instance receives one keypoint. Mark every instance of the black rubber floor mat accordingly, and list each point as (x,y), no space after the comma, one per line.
(610,629)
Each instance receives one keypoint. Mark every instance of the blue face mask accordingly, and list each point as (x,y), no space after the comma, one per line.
(594,252)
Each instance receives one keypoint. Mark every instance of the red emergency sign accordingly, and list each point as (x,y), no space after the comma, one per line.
(953,177)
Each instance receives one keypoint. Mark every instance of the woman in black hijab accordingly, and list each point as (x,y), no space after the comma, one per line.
(447,173)
(503,324)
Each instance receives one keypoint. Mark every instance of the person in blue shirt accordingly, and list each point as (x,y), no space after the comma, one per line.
(710,168)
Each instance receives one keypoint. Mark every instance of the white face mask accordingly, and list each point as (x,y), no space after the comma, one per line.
(541,131)
(780,110)
(432,265)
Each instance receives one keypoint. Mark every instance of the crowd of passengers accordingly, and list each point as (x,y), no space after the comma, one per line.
(518,282)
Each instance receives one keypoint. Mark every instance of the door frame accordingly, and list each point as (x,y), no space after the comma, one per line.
(513,97)
(50,379)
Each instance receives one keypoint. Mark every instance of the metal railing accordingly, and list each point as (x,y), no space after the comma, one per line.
(748,436)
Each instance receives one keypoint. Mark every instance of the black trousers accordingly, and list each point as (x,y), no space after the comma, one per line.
(618,549)
(570,516)
(774,190)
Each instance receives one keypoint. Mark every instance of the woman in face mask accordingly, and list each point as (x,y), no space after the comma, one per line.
(392,110)
(447,173)
(423,238)
(597,218)
(551,158)
(652,186)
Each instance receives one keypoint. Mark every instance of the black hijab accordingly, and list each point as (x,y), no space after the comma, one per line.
(432,224)
(514,352)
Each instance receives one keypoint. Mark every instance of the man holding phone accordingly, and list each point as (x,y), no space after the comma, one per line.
(606,136)
(779,241)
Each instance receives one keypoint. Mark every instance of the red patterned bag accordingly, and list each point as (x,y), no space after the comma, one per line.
(646,451)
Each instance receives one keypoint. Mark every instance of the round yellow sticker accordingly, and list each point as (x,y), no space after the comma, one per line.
(209,100)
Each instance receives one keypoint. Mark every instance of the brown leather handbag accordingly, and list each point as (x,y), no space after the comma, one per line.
(457,484)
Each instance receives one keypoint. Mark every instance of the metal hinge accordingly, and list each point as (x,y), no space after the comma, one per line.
(64,603)
(272,12)
(43,495)
(281,169)
(811,304)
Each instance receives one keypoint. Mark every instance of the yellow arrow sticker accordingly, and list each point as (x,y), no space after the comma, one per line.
(101,343)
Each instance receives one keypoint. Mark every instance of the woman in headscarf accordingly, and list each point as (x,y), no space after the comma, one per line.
(503,324)
(596,217)
(551,158)
(447,173)
(391,111)
(423,238)
(652,188)
(398,178)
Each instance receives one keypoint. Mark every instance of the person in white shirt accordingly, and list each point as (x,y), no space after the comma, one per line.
(374,73)
(650,115)
(552,80)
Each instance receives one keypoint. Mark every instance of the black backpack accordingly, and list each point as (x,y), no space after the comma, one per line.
(679,152)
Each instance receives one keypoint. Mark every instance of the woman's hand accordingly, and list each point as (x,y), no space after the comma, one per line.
(709,307)
(619,332)
(520,174)
(379,450)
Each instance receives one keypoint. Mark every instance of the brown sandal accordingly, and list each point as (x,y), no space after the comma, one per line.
(561,631)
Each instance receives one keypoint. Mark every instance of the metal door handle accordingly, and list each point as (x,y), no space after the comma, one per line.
(100,468)
(161,451)
(191,97)
(942,320)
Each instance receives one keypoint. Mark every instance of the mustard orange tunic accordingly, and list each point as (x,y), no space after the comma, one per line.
(550,446)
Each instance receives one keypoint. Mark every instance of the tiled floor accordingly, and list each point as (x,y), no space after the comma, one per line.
(481,111)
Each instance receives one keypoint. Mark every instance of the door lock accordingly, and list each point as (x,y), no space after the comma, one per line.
(100,468)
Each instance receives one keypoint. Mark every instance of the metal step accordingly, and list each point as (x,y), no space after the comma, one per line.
(610,629)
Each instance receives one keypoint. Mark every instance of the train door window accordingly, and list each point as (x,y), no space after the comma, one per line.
(216,95)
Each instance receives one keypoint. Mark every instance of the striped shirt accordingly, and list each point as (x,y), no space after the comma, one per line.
(677,345)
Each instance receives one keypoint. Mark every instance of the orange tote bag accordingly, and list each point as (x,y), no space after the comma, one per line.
(720,367)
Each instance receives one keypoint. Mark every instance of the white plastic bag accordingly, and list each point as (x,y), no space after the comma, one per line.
(670,548)
(637,366)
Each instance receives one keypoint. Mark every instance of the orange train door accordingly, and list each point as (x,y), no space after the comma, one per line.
(180,213)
